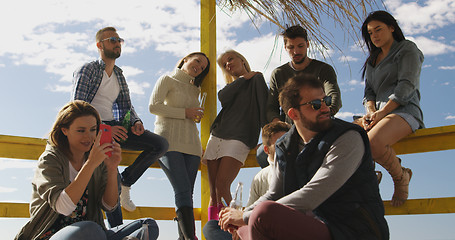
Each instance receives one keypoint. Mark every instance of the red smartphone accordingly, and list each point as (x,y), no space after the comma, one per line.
(106,136)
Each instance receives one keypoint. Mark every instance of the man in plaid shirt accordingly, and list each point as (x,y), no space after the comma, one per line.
(102,84)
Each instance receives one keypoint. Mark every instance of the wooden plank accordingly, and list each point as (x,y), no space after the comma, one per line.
(411,206)
(21,210)
(427,140)
(423,140)
(15,210)
(157,213)
(208,46)
(422,206)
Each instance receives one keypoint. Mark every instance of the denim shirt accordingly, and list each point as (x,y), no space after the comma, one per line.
(87,80)
(397,78)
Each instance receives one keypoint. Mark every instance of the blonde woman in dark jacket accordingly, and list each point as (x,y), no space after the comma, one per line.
(236,128)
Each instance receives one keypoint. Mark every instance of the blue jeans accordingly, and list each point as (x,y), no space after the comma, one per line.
(153,147)
(212,231)
(89,230)
(181,170)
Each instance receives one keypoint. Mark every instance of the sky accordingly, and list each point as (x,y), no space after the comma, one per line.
(45,41)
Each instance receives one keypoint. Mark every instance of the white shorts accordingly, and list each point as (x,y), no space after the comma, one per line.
(217,148)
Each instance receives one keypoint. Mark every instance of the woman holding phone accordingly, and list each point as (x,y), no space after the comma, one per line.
(75,179)
(175,102)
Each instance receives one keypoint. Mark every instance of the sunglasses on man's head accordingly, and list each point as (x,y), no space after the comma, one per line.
(317,103)
(114,40)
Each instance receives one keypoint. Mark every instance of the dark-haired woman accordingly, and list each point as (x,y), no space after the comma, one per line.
(392,96)
(175,102)
(74,180)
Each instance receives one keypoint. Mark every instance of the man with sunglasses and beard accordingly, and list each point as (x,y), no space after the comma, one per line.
(324,185)
(102,84)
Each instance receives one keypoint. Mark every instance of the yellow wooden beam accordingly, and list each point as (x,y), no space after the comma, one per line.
(411,206)
(14,210)
(21,147)
(208,46)
(427,140)
(422,206)
(21,210)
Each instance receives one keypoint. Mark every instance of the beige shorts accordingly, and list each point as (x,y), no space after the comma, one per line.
(217,148)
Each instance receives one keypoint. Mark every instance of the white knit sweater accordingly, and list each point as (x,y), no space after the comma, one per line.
(170,97)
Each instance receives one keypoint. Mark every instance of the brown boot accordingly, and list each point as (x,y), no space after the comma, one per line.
(400,194)
(400,175)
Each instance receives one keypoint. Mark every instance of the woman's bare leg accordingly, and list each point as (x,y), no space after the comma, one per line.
(228,169)
(388,131)
(212,167)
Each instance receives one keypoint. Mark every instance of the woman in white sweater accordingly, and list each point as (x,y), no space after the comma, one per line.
(175,102)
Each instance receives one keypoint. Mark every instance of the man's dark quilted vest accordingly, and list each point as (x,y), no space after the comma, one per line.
(355,211)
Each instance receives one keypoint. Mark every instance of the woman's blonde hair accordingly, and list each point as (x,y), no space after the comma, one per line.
(228,78)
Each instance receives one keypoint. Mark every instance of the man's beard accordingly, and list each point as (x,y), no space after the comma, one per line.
(301,61)
(317,126)
(111,54)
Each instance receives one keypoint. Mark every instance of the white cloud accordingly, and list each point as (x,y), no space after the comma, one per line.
(429,15)
(157,179)
(6,164)
(129,71)
(46,41)
(137,88)
(2,65)
(447,67)
(348,59)
(7,190)
(450,117)
(60,88)
(354,82)
(430,47)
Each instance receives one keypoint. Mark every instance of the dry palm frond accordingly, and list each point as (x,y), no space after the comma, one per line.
(310,14)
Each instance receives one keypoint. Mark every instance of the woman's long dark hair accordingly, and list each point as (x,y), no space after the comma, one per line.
(389,20)
(197,80)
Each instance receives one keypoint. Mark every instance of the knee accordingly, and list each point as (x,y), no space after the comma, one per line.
(222,184)
(376,146)
(162,145)
(264,211)
(184,198)
(81,230)
(210,227)
(152,227)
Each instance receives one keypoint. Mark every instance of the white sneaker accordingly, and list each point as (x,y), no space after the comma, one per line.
(125,199)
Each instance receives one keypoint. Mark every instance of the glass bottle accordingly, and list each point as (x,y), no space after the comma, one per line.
(237,199)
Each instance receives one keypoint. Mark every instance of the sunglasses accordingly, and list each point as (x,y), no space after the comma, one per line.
(114,40)
(317,103)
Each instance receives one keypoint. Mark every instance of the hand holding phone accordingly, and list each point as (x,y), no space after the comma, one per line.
(106,136)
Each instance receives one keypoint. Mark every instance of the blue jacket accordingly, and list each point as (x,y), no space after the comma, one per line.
(355,211)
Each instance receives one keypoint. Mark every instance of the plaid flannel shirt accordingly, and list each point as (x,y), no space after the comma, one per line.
(87,80)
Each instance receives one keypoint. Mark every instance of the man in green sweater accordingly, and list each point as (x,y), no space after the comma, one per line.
(296,44)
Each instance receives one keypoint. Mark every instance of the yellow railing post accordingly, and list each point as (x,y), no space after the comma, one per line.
(208,46)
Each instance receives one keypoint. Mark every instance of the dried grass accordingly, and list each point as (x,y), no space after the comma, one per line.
(345,14)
